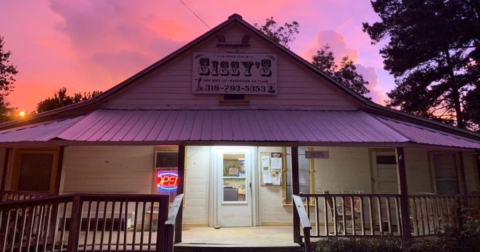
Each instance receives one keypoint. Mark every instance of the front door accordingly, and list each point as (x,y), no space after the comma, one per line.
(233,196)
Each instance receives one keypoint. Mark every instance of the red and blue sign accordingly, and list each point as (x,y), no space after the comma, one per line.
(167,180)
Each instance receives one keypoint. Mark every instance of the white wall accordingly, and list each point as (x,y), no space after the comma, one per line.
(419,177)
(197,181)
(270,198)
(171,85)
(471,173)
(347,168)
(108,169)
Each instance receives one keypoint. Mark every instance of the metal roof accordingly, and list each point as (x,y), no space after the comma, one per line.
(239,125)
(230,125)
(38,132)
(423,135)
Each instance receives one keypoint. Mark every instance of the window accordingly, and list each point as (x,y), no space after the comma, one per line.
(166,171)
(446,179)
(306,179)
(35,170)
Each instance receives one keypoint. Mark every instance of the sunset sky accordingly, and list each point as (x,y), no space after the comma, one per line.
(94,45)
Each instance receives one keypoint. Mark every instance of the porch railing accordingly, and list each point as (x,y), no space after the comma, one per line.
(85,222)
(380,214)
(304,221)
(9,196)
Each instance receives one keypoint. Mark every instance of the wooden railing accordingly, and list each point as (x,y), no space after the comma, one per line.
(431,214)
(380,214)
(85,223)
(171,220)
(8,196)
(304,221)
(353,214)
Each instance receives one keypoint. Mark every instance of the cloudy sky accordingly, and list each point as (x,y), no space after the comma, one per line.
(87,45)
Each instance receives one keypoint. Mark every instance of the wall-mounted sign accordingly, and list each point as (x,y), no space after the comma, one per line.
(316,154)
(167,180)
(215,73)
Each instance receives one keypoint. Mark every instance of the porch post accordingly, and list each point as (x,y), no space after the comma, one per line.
(180,187)
(295,191)
(59,170)
(402,176)
(461,174)
(4,173)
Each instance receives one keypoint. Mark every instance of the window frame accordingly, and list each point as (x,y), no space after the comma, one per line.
(287,162)
(17,164)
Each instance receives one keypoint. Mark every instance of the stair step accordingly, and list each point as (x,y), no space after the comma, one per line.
(234,248)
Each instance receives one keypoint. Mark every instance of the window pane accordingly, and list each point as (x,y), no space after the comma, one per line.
(35,172)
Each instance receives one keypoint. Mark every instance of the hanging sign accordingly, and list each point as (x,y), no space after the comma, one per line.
(317,154)
(215,73)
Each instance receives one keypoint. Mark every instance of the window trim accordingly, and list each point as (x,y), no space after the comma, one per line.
(311,171)
(17,161)
(433,174)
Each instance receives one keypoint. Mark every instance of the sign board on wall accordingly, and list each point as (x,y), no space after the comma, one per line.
(215,73)
(317,154)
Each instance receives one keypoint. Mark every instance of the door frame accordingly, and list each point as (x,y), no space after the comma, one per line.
(213,191)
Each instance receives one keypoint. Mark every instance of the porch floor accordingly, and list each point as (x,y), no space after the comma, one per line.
(265,236)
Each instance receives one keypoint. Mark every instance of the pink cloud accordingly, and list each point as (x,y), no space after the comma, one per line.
(337,45)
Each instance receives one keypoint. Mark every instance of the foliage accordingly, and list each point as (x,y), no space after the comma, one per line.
(433,52)
(7,73)
(7,69)
(346,73)
(60,99)
(450,239)
(283,34)
(7,113)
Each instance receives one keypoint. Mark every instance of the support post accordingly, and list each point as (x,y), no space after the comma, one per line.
(402,177)
(4,173)
(461,174)
(295,191)
(180,187)
(59,170)
(76,218)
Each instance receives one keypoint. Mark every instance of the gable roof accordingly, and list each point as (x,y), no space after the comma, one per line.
(235,19)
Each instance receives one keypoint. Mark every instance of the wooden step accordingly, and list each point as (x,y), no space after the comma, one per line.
(234,248)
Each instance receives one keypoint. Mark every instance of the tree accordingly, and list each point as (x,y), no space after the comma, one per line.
(346,74)
(433,52)
(61,99)
(283,34)
(7,70)
(7,73)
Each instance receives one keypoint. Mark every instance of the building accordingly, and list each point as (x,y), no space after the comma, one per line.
(225,120)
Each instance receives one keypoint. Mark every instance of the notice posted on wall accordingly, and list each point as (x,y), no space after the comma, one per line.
(276,162)
(271,168)
(265,164)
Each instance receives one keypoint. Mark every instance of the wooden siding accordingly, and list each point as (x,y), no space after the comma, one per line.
(197,181)
(109,169)
(271,209)
(347,168)
(171,84)
(418,171)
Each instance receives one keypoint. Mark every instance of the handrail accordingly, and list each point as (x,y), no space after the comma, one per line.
(170,223)
(304,220)
(9,196)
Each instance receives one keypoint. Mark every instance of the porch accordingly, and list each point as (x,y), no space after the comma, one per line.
(104,222)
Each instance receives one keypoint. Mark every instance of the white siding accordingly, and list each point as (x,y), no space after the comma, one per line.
(271,208)
(471,173)
(171,84)
(108,169)
(197,181)
(347,168)
(418,171)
